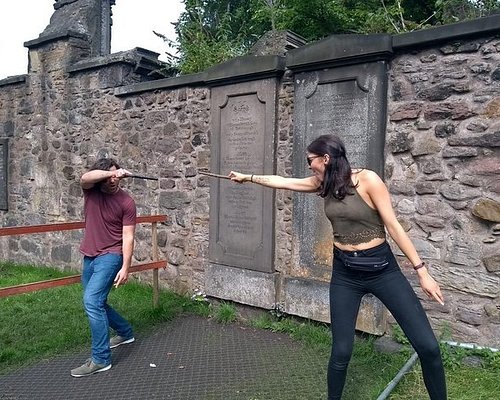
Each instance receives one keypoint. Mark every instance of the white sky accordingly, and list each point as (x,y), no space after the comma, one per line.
(133,25)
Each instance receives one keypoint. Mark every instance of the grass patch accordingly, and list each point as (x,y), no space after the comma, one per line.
(370,371)
(225,313)
(308,332)
(38,325)
(361,381)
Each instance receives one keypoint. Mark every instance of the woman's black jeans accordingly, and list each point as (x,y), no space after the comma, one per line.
(393,289)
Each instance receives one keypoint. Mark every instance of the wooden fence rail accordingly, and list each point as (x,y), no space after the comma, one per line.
(69,280)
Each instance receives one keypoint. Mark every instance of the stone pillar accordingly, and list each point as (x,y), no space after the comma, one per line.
(106,23)
(4,156)
(88,20)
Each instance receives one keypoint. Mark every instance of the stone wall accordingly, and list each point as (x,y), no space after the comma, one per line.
(58,122)
(442,167)
(441,159)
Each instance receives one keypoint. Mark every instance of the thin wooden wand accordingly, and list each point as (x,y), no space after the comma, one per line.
(214,175)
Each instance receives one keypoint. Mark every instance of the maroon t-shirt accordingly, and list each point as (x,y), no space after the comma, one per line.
(105,215)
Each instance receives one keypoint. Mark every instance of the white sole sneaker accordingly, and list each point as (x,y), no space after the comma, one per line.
(131,340)
(81,375)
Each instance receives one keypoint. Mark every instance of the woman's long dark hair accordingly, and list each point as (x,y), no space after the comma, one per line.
(337,180)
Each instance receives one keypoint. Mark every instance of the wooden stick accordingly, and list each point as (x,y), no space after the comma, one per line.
(142,177)
(214,175)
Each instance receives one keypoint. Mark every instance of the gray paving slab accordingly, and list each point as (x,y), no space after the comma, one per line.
(189,358)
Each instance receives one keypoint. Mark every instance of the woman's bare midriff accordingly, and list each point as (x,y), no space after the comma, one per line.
(361,246)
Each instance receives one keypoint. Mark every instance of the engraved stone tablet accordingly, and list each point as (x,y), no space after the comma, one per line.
(241,215)
(4,155)
(349,102)
(341,107)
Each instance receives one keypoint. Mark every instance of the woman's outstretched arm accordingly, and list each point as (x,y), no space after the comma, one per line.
(309,184)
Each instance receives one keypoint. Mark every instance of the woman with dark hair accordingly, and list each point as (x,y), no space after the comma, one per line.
(358,204)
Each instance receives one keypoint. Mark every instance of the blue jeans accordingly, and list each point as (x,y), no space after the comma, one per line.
(97,279)
(392,288)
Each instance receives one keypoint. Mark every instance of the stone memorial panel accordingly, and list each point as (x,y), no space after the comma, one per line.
(242,215)
(351,103)
(341,107)
(4,156)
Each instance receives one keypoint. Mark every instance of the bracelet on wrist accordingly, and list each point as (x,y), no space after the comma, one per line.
(251,178)
(418,266)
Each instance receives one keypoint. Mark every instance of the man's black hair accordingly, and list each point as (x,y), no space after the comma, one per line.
(104,164)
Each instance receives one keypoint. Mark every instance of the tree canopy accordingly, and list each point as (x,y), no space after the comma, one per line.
(212,31)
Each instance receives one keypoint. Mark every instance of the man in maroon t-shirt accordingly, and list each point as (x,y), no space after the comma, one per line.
(107,247)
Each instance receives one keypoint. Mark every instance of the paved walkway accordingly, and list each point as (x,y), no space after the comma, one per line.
(189,358)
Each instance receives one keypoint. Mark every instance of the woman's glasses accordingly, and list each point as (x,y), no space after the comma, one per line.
(310,159)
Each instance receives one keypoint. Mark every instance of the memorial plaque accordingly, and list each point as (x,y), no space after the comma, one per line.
(349,102)
(341,108)
(4,156)
(242,215)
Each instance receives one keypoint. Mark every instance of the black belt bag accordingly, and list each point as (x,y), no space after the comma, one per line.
(363,263)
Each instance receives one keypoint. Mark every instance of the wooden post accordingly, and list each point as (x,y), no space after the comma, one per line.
(154,238)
